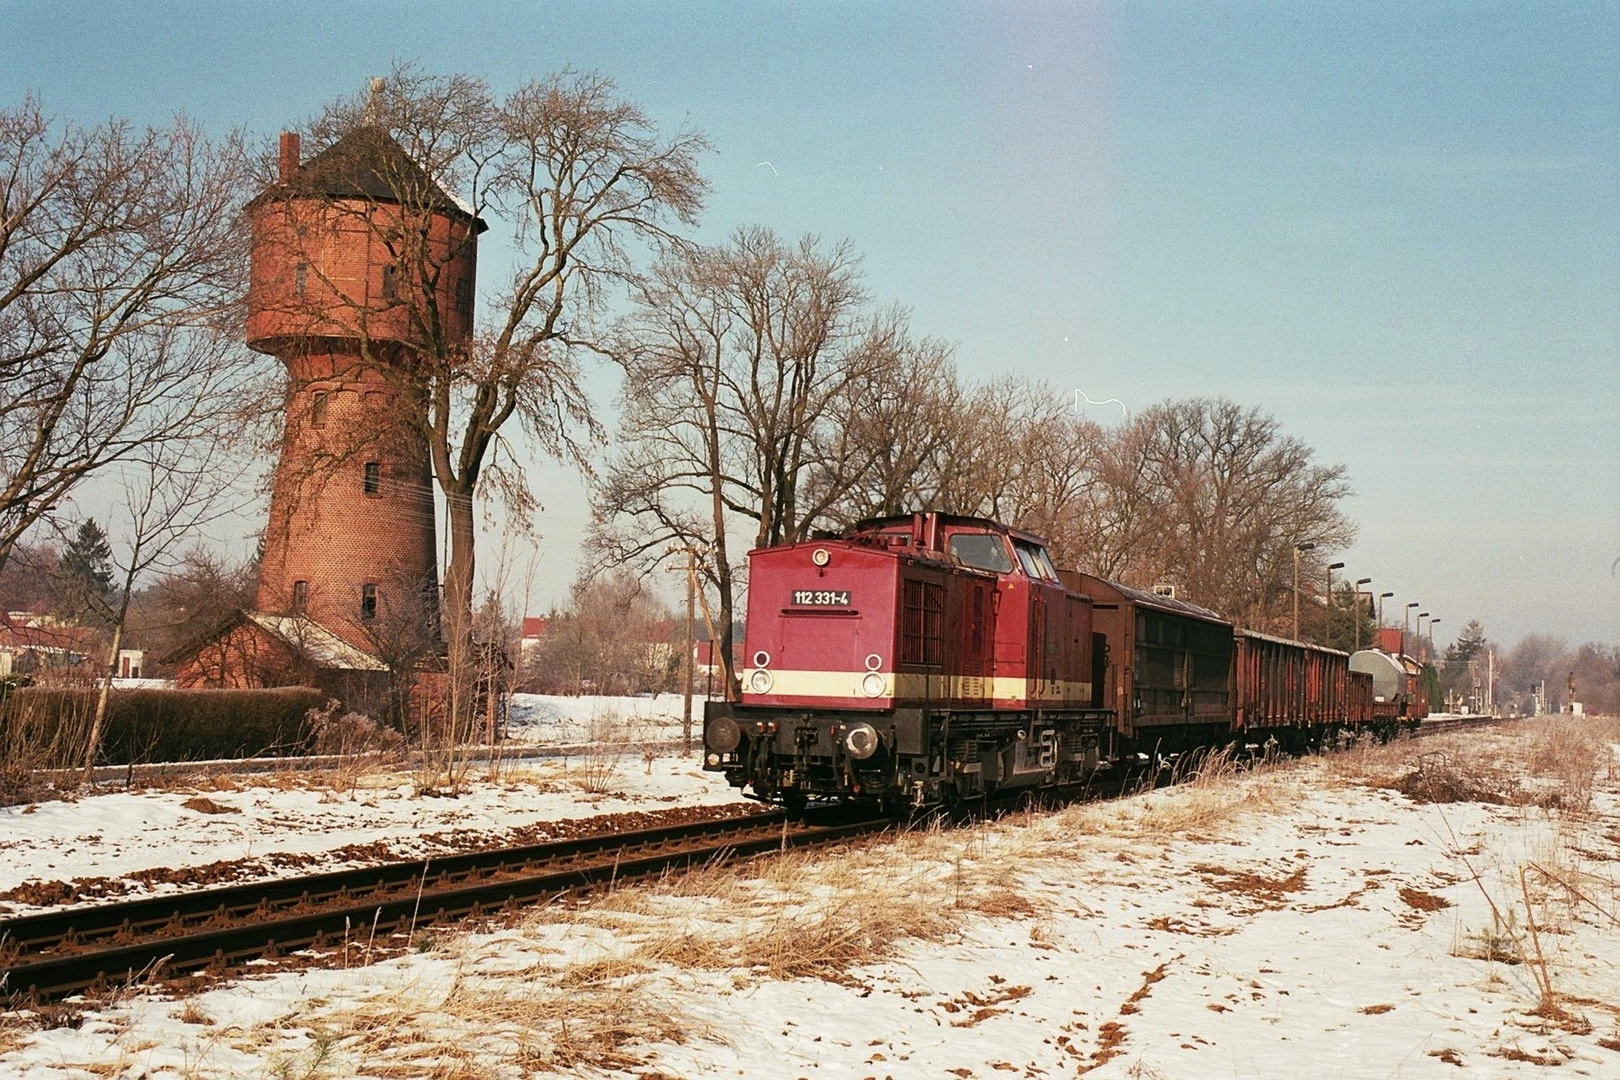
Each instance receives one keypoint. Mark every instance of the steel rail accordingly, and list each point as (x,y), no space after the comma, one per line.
(1443,725)
(87,924)
(60,953)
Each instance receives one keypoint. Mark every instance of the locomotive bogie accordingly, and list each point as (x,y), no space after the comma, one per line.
(904,756)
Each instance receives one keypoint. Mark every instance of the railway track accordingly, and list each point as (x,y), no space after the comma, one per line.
(1442,725)
(55,954)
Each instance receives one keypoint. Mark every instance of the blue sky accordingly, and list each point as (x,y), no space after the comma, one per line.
(1395,227)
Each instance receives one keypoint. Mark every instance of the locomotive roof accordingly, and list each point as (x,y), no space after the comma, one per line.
(950,519)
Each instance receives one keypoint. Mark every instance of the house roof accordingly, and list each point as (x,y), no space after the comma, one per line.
(44,636)
(314,641)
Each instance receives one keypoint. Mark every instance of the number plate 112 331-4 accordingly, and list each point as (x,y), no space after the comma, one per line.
(821,597)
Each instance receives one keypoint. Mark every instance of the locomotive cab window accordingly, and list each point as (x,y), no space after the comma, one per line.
(982,551)
(1034,560)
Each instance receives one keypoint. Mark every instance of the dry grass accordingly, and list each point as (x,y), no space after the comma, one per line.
(456,1030)
(1216,794)
(1550,763)
(609,736)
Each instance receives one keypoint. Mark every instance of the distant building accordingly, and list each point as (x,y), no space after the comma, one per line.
(32,644)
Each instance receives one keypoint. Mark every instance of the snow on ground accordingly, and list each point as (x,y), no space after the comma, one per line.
(556,720)
(1296,922)
(285,823)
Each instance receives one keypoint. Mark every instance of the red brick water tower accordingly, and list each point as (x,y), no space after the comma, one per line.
(342,245)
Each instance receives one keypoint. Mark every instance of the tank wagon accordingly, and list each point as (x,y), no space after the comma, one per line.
(931,658)
(1398,694)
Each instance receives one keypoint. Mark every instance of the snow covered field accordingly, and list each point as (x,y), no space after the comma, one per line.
(555,720)
(1303,921)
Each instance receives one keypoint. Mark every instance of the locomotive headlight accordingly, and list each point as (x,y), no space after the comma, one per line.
(861,741)
(760,681)
(873,684)
(723,734)
(821,556)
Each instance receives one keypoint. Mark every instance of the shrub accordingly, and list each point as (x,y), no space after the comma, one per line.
(159,725)
(334,731)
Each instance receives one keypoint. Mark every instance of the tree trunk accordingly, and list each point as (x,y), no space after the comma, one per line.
(93,744)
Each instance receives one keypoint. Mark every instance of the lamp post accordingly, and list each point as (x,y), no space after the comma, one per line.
(1327,606)
(1359,583)
(1431,635)
(1298,548)
(1381,598)
(1406,624)
(1422,650)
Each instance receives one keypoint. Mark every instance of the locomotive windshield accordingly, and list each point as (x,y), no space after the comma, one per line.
(1036,563)
(982,551)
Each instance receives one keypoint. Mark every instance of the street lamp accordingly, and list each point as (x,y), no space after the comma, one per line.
(1307,546)
(1406,624)
(1359,583)
(1381,598)
(1431,635)
(1327,606)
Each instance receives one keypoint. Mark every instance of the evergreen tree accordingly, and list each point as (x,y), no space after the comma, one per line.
(1469,644)
(82,591)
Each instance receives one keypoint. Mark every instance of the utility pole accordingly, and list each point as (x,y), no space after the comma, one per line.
(686,682)
(1327,606)
(1359,583)
(690,570)
(1307,546)
(1490,682)
(694,597)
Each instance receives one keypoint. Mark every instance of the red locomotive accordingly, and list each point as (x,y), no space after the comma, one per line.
(932,658)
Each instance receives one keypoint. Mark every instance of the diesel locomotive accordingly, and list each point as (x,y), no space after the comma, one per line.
(929,658)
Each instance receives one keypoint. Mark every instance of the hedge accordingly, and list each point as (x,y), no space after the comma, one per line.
(162,725)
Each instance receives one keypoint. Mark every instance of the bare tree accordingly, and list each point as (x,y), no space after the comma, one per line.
(582,184)
(613,638)
(122,264)
(1213,497)
(173,492)
(733,359)
(893,429)
(189,599)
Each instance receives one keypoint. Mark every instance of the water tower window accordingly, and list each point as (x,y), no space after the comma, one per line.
(368,601)
(464,299)
(300,599)
(317,409)
(373,481)
(390,282)
(301,278)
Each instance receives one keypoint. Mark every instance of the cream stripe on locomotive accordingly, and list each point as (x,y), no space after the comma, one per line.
(879,685)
